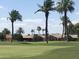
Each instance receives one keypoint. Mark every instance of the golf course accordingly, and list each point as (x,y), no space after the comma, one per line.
(39,50)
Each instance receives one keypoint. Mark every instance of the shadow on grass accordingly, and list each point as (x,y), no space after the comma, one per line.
(26,43)
(62,53)
(51,43)
(63,43)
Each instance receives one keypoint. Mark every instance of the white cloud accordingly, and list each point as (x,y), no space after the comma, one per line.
(28,24)
(75,21)
(3,18)
(1,7)
(77,13)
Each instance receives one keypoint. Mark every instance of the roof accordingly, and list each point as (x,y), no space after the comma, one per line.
(57,35)
(27,36)
(9,36)
(74,36)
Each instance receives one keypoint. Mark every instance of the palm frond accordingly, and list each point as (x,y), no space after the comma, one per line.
(65,5)
(38,11)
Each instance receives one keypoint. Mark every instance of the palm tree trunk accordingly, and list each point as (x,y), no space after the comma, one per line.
(46,28)
(39,32)
(42,32)
(63,31)
(12,31)
(66,27)
(32,33)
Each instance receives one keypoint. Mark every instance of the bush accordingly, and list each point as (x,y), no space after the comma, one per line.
(18,37)
(1,37)
(72,39)
(37,38)
(52,38)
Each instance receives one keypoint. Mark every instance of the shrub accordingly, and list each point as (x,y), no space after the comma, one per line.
(52,38)
(72,39)
(18,37)
(1,37)
(37,38)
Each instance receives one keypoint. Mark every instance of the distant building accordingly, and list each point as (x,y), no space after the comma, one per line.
(74,36)
(8,37)
(27,37)
(57,36)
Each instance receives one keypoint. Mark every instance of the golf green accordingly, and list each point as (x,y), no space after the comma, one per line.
(56,50)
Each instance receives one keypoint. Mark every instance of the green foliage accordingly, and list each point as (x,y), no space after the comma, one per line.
(20,31)
(71,29)
(77,25)
(77,28)
(1,36)
(18,37)
(6,31)
(65,5)
(15,15)
(37,38)
(72,39)
(47,6)
(52,38)
(39,29)
(32,31)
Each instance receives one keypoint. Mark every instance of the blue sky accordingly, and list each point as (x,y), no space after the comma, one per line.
(31,20)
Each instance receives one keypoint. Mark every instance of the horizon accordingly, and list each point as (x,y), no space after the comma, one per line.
(31,20)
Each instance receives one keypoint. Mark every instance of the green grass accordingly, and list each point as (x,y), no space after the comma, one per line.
(39,50)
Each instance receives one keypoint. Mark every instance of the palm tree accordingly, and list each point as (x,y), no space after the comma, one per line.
(20,31)
(77,29)
(32,31)
(63,23)
(43,31)
(47,6)
(39,29)
(71,28)
(62,19)
(63,7)
(13,16)
(5,32)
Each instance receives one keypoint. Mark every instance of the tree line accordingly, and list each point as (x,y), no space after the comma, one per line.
(62,7)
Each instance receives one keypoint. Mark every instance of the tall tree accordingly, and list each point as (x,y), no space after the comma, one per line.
(71,28)
(63,7)
(13,16)
(32,31)
(77,29)
(5,32)
(43,31)
(39,29)
(63,23)
(20,31)
(47,6)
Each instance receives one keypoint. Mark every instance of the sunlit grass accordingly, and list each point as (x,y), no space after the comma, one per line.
(39,50)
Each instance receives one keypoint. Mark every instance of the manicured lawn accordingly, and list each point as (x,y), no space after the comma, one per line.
(39,50)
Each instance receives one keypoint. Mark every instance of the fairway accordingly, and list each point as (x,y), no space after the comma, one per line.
(40,50)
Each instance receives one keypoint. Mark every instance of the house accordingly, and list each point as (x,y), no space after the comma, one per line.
(74,36)
(8,37)
(27,37)
(57,36)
